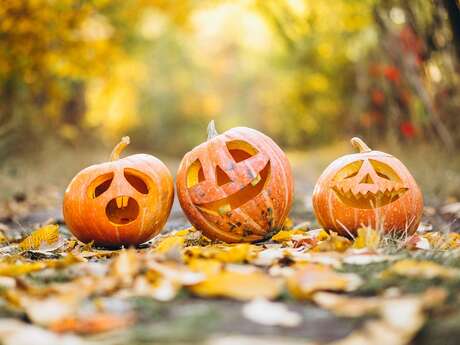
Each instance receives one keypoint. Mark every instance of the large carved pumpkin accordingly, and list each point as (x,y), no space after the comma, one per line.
(369,188)
(122,202)
(237,186)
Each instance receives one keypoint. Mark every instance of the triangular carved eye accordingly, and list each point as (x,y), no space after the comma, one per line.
(222,177)
(136,180)
(100,185)
(240,150)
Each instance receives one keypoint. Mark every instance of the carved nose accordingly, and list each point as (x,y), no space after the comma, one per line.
(367,179)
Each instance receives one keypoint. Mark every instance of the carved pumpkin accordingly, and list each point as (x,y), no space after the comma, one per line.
(369,188)
(237,186)
(122,202)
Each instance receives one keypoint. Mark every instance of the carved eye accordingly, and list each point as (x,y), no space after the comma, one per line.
(349,171)
(136,180)
(240,150)
(384,171)
(195,174)
(100,185)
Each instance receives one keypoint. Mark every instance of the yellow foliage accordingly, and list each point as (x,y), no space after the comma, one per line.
(367,238)
(230,253)
(45,236)
(238,285)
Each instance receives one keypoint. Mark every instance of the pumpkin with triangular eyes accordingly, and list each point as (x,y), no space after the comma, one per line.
(119,203)
(236,186)
(369,188)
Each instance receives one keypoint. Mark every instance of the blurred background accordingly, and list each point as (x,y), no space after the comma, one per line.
(76,75)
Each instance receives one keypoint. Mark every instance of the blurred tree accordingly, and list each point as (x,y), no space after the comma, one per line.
(50,50)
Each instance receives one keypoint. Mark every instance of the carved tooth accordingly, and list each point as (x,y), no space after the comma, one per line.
(119,201)
(224,209)
(125,201)
(256,180)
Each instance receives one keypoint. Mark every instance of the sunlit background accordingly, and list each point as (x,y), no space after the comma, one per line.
(76,75)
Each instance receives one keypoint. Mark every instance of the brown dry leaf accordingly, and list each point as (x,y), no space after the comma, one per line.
(43,237)
(312,278)
(91,324)
(420,269)
(239,285)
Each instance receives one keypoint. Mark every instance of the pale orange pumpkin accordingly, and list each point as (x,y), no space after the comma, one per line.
(122,202)
(369,188)
(236,186)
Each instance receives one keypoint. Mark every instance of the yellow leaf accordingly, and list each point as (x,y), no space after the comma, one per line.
(288,224)
(367,238)
(47,235)
(312,278)
(333,242)
(17,269)
(286,235)
(208,267)
(234,253)
(238,285)
(166,244)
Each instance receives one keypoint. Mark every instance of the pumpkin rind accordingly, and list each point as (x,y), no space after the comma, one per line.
(240,198)
(87,217)
(389,203)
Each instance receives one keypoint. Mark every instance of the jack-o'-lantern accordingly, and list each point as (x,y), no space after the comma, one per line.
(369,188)
(236,186)
(122,202)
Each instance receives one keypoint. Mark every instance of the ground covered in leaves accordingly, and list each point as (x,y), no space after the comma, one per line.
(304,286)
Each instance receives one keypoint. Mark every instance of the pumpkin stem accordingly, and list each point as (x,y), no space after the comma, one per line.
(359,144)
(119,148)
(212,131)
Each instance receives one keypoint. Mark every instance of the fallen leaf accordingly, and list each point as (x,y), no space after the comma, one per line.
(237,285)
(311,278)
(91,324)
(43,237)
(420,269)
(367,238)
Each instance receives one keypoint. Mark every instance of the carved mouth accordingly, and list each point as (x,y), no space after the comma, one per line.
(238,199)
(368,199)
(122,210)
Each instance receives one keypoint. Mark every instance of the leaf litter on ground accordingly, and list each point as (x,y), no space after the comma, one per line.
(57,283)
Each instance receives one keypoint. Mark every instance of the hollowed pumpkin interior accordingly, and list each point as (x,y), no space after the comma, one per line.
(122,210)
(239,150)
(389,185)
(137,180)
(238,199)
(100,185)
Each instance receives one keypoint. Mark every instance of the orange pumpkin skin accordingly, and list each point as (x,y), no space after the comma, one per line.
(370,188)
(236,187)
(119,203)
